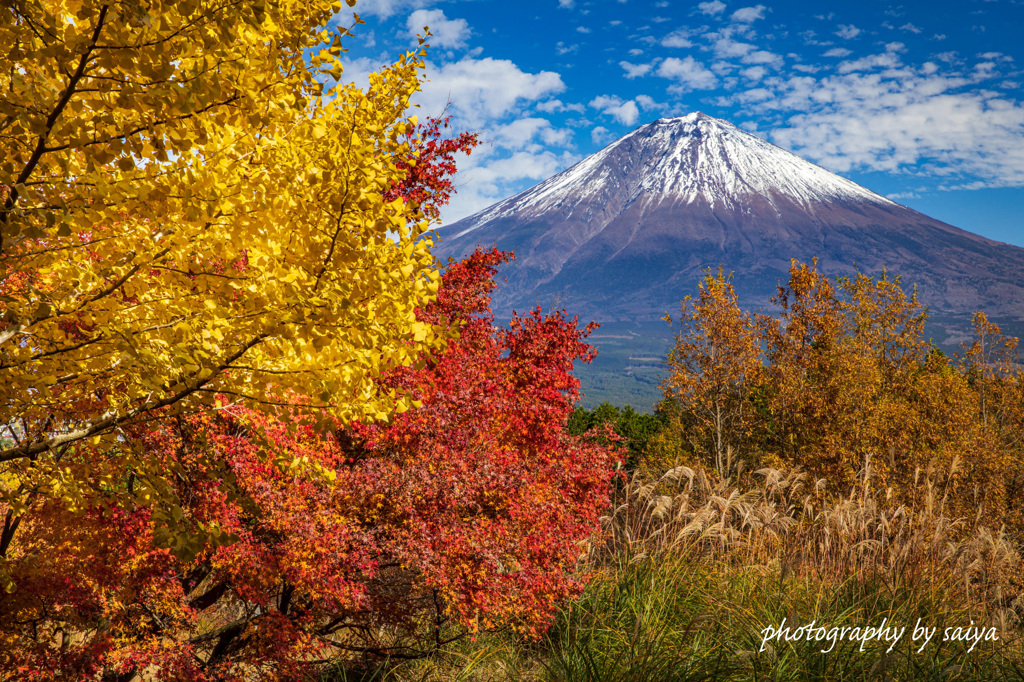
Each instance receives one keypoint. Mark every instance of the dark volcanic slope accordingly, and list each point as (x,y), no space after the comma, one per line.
(627,232)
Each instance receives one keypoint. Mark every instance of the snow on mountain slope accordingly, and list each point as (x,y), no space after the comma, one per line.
(688,159)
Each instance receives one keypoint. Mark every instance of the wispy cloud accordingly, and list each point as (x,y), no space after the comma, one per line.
(877,113)
(387,8)
(947,117)
(749,14)
(448,33)
(711,8)
(552,106)
(482,89)
(635,70)
(679,38)
(848,31)
(688,73)
(601,135)
(648,103)
(625,112)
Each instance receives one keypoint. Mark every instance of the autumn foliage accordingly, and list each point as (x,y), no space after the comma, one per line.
(285,548)
(429,171)
(842,382)
(187,210)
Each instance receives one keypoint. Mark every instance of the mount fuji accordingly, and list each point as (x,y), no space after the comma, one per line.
(626,233)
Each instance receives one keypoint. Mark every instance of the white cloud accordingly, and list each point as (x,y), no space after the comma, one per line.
(900,117)
(688,73)
(387,8)
(357,70)
(522,166)
(449,33)
(506,104)
(848,31)
(528,134)
(896,196)
(910,27)
(600,135)
(625,112)
(557,105)
(567,4)
(961,134)
(512,156)
(635,52)
(749,14)
(723,68)
(837,52)
(997,56)
(754,73)
(876,61)
(755,95)
(679,38)
(726,48)
(482,89)
(485,178)
(984,70)
(636,70)
(647,103)
(711,8)
(762,57)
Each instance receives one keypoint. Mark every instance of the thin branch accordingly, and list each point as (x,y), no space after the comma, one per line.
(111,420)
(26,172)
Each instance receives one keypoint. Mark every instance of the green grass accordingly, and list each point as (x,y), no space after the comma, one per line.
(682,619)
(690,619)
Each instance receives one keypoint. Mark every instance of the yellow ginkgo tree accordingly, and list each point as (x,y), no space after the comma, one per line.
(186,210)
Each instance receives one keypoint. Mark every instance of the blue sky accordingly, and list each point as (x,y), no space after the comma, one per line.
(921,101)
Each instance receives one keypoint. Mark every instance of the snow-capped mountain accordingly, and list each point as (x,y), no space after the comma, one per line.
(627,232)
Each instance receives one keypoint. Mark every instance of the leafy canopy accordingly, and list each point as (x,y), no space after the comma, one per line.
(186,210)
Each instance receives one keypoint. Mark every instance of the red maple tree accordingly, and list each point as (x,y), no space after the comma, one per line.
(430,169)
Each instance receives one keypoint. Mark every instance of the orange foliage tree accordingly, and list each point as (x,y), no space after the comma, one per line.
(842,382)
(715,357)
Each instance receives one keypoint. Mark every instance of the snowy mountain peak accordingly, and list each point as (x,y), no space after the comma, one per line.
(688,159)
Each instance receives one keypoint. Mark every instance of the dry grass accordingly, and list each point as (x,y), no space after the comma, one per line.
(689,571)
(787,520)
